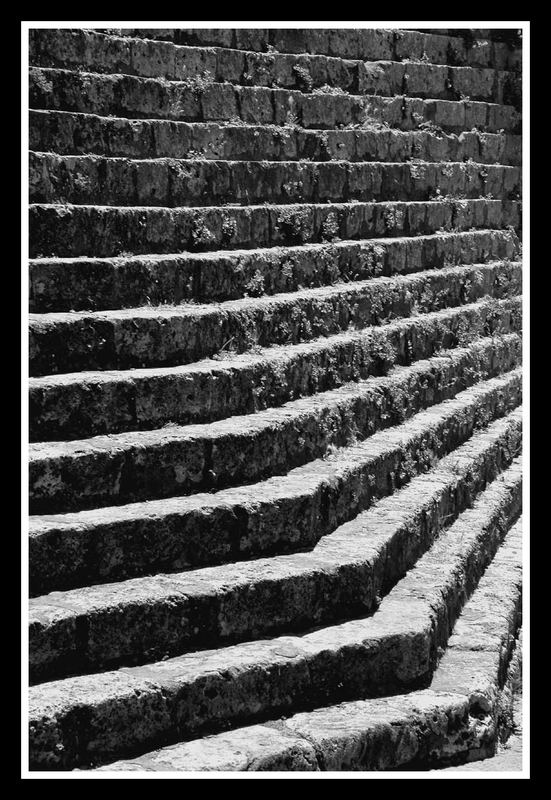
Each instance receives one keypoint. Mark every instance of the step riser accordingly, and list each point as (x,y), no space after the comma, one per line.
(509,36)
(122,283)
(66,231)
(99,53)
(89,474)
(372,44)
(67,343)
(85,180)
(421,730)
(275,338)
(181,706)
(281,515)
(79,134)
(92,405)
(128,96)
(204,617)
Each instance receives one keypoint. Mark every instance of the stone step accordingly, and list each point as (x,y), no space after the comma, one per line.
(72,133)
(361,43)
(342,577)
(175,335)
(282,514)
(146,98)
(92,284)
(420,730)
(170,182)
(103,231)
(392,650)
(504,697)
(82,404)
(175,460)
(200,66)
(511,36)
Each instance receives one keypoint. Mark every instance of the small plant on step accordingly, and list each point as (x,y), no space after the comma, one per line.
(291,120)
(40,80)
(294,224)
(229,229)
(330,228)
(303,79)
(408,469)
(201,235)
(382,352)
(197,84)
(196,155)
(431,127)
(258,66)
(326,89)
(254,287)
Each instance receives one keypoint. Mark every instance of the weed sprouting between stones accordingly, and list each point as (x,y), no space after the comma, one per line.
(303,78)
(254,287)
(330,228)
(294,224)
(201,235)
(228,229)
(291,120)
(326,89)
(197,84)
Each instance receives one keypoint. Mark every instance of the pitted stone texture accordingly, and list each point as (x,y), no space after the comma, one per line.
(74,405)
(134,97)
(71,133)
(176,183)
(278,515)
(396,647)
(143,465)
(173,335)
(417,730)
(342,576)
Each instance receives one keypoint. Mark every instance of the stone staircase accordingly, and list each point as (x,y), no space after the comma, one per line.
(275,398)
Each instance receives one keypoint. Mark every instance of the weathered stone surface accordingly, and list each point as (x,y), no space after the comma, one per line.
(424,727)
(94,284)
(172,335)
(278,515)
(266,266)
(71,133)
(135,97)
(166,182)
(342,576)
(74,405)
(371,655)
(127,467)
(100,52)
(372,44)
(107,231)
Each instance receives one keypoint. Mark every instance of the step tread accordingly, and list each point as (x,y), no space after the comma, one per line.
(80,230)
(239,367)
(68,131)
(131,55)
(297,590)
(275,397)
(431,589)
(181,182)
(171,335)
(229,306)
(243,449)
(279,514)
(375,42)
(270,417)
(345,736)
(173,100)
